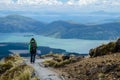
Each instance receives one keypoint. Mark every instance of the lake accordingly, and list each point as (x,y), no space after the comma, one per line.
(71,45)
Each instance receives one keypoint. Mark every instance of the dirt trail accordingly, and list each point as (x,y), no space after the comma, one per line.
(42,72)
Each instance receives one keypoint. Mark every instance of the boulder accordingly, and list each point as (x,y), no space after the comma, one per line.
(65,57)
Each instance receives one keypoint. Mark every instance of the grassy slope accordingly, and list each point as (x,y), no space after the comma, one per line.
(13,67)
(58,60)
(99,68)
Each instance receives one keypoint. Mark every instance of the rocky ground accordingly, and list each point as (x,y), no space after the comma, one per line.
(43,73)
(99,68)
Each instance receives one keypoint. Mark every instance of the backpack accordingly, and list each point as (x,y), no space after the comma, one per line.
(33,47)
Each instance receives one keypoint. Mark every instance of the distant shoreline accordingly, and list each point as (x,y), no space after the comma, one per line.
(22,48)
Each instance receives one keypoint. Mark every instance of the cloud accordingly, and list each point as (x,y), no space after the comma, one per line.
(6,2)
(81,2)
(62,5)
(39,2)
(54,2)
(60,2)
(94,2)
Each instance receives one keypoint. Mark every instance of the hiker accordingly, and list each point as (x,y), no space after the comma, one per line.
(32,49)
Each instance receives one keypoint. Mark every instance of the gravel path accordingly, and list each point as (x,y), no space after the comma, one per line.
(42,72)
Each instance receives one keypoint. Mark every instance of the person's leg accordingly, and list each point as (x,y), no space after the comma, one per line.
(34,58)
(31,58)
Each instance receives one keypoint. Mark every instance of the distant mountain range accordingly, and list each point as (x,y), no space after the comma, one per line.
(102,12)
(60,29)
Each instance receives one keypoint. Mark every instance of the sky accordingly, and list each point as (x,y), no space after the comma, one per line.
(52,10)
(61,5)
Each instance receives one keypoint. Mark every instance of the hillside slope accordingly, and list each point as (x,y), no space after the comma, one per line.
(99,68)
(59,29)
(17,23)
(104,49)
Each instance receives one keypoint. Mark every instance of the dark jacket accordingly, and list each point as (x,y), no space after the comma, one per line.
(30,45)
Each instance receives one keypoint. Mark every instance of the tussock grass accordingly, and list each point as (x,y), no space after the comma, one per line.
(13,68)
(35,78)
(53,55)
(103,49)
(59,60)
(14,59)
(22,72)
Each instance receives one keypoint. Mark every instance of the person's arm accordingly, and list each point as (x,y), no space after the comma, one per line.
(36,45)
(29,47)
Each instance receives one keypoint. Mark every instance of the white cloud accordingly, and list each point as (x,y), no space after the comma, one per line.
(39,2)
(59,4)
(94,2)
(81,2)
(6,2)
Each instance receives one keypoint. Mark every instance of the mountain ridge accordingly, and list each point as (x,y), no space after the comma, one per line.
(60,29)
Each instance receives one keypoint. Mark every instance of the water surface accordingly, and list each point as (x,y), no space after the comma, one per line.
(70,45)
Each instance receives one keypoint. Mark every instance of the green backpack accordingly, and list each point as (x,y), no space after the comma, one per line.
(33,47)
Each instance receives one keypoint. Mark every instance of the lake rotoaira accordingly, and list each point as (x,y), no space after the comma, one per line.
(70,45)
